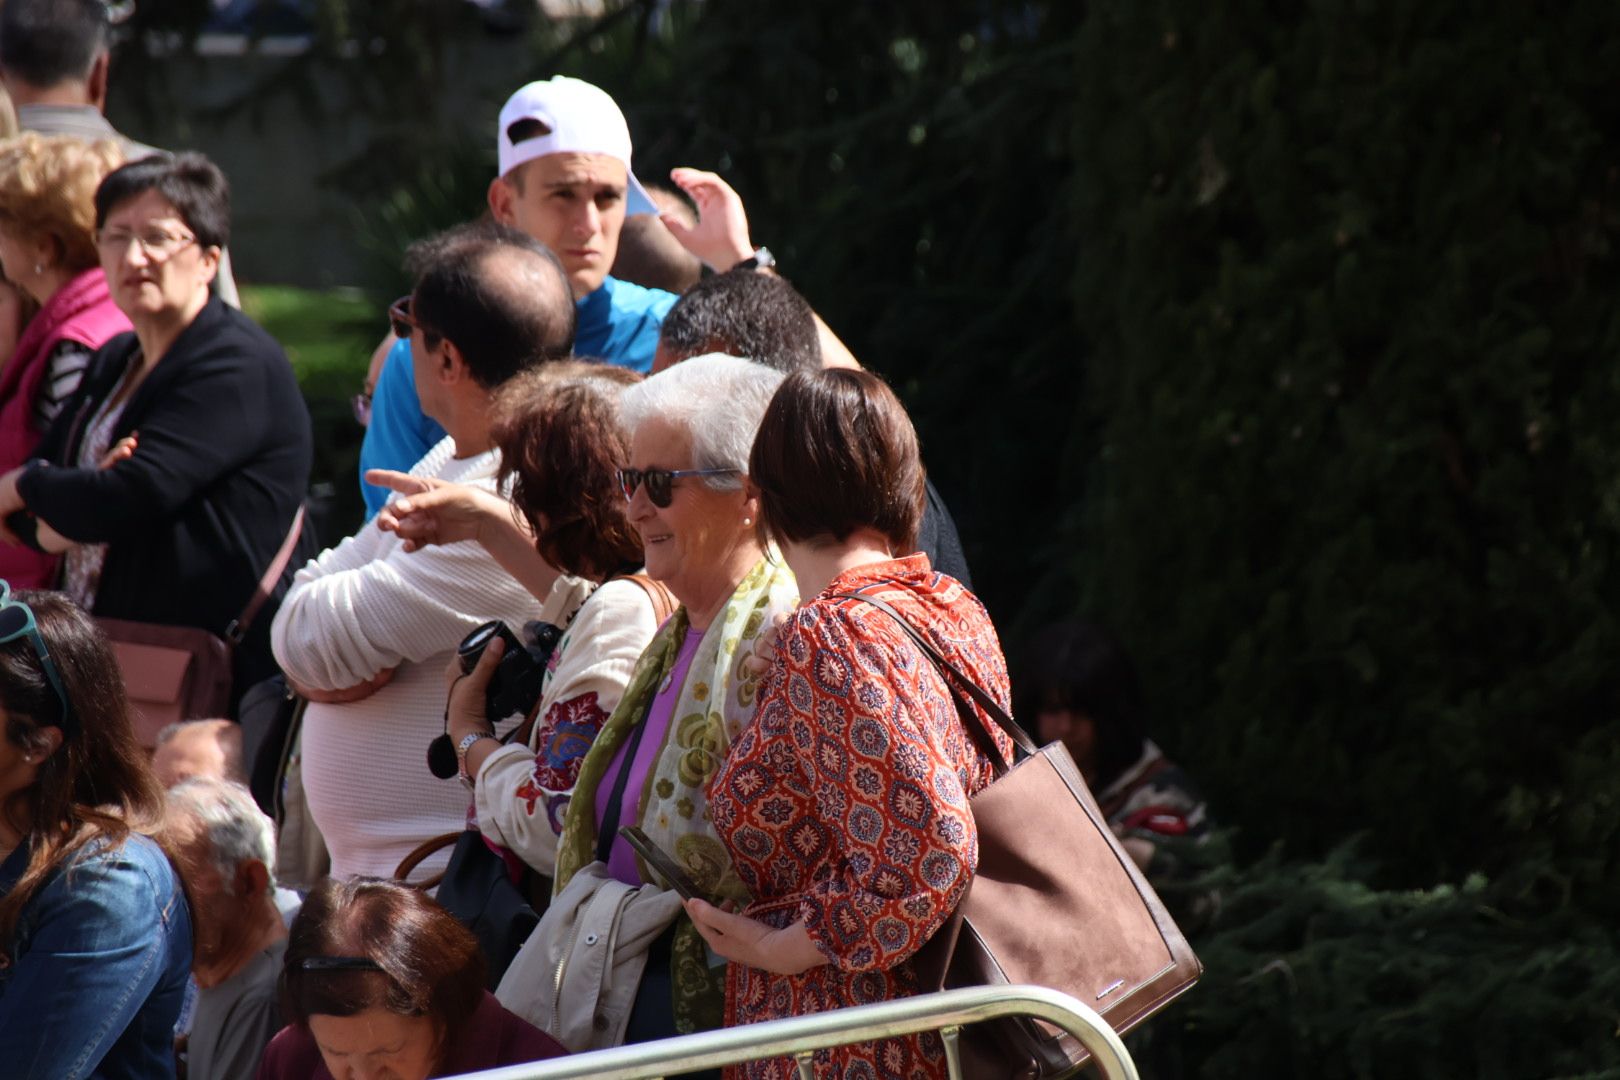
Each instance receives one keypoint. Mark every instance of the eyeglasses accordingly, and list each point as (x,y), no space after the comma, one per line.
(660,482)
(401,318)
(17,621)
(157,245)
(362,409)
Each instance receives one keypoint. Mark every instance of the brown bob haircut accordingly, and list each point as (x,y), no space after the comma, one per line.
(561,442)
(430,963)
(836,452)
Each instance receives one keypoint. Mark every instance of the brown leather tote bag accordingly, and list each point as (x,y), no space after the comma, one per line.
(1056,901)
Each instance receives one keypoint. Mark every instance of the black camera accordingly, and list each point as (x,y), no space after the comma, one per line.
(515,686)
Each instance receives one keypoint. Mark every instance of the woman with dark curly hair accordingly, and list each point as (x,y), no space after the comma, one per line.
(381,981)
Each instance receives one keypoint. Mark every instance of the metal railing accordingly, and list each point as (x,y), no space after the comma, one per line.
(799,1037)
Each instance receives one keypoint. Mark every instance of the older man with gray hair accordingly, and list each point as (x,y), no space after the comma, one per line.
(226,848)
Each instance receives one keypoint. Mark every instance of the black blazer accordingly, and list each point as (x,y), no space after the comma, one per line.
(193,520)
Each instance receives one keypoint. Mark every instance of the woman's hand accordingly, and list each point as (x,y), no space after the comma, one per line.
(436,511)
(356,692)
(720,238)
(10,502)
(122,450)
(763,655)
(464,710)
(750,942)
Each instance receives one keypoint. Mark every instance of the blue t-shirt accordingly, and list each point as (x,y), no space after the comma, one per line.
(618,323)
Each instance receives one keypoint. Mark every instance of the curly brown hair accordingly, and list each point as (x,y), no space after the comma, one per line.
(47,188)
(562,445)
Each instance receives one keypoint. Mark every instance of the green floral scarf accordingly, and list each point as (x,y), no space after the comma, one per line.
(713,707)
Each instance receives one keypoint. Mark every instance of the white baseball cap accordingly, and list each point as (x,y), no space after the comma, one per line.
(577,118)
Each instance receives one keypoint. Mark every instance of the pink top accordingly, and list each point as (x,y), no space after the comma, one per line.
(621,858)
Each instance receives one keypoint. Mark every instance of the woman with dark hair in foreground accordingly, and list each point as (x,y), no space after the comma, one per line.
(93,923)
(382,981)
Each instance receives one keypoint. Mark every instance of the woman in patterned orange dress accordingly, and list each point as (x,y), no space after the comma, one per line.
(845,805)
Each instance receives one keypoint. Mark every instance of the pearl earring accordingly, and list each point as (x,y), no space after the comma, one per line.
(39,268)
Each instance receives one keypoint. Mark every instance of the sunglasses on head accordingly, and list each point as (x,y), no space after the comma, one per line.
(403,321)
(660,482)
(17,621)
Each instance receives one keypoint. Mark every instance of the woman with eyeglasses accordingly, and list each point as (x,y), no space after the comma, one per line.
(181,530)
(859,762)
(380,981)
(48,252)
(95,935)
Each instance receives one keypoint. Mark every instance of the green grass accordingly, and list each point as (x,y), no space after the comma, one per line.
(328,335)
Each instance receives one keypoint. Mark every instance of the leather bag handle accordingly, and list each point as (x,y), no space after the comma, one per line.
(422,851)
(237,630)
(658,594)
(960,683)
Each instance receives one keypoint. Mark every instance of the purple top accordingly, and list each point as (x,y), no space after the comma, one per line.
(621,858)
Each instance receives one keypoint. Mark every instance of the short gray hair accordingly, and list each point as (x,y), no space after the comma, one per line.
(718,400)
(237,830)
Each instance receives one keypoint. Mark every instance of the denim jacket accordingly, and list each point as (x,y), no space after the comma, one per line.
(93,978)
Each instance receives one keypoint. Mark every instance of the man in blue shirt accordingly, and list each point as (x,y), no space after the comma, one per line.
(565,179)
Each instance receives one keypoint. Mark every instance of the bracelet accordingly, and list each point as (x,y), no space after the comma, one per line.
(466,744)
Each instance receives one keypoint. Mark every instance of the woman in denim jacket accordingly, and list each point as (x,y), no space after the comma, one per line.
(95,935)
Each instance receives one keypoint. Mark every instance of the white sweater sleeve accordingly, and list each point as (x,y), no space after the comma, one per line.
(521,792)
(367,605)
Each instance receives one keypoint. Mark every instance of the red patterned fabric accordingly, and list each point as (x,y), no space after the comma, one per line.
(561,739)
(845,804)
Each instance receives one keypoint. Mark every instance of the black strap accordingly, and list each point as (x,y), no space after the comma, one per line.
(608,829)
(960,683)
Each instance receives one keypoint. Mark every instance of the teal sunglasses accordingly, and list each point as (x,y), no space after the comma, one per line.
(17,621)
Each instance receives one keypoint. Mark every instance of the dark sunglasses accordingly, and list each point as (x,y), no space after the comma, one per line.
(17,621)
(660,482)
(403,322)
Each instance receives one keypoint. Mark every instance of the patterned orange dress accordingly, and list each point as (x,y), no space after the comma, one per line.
(845,804)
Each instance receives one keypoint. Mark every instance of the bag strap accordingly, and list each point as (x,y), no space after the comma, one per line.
(663,601)
(421,851)
(609,830)
(238,628)
(959,683)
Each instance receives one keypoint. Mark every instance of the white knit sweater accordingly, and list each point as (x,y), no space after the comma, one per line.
(366,605)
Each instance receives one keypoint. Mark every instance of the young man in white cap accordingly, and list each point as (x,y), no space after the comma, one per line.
(565,179)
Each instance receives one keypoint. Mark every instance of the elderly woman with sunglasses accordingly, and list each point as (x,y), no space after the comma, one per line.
(95,935)
(689,696)
(181,531)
